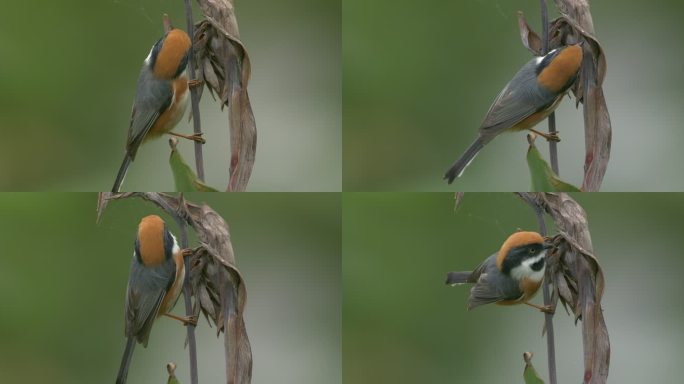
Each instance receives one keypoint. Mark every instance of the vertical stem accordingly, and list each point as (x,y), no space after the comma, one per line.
(546,291)
(545,26)
(194,96)
(553,147)
(550,339)
(192,345)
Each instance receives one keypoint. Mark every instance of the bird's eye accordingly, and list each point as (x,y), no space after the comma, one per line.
(532,251)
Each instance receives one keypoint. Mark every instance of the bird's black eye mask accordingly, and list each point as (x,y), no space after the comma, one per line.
(518,254)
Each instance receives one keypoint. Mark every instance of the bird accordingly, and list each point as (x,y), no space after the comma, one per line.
(161,96)
(530,97)
(154,284)
(511,276)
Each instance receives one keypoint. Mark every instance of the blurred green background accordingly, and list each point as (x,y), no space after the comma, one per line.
(68,77)
(401,324)
(419,79)
(63,283)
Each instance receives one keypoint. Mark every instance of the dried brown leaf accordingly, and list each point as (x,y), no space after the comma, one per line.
(579,265)
(224,65)
(212,231)
(598,132)
(530,39)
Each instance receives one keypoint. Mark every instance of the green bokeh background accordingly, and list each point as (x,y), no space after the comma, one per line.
(68,76)
(401,324)
(63,281)
(419,79)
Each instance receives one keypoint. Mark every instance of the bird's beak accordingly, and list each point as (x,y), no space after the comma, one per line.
(547,246)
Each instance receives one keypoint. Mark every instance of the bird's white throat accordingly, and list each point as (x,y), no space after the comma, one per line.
(525,269)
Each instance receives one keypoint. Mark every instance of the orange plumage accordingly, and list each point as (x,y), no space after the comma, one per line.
(563,67)
(515,240)
(151,240)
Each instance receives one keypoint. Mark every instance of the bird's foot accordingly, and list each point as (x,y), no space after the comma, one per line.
(551,136)
(194,137)
(186,320)
(548,309)
(195,83)
(543,308)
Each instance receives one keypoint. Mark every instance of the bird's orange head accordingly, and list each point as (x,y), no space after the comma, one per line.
(154,243)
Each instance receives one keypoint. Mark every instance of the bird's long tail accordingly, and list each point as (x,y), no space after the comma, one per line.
(460,165)
(125,361)
(459,277)
(122,173)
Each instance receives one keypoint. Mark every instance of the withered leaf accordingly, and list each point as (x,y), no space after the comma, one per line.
(583,279)
(529,38)
(224,66)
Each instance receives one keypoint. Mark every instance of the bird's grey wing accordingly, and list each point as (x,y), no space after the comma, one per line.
(484,292)
(485,277)
(515,102)
(147,287)
(152,97)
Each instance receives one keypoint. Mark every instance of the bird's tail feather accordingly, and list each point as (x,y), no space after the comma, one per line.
(126,360)
(122,173)
(459,277)
(460,165)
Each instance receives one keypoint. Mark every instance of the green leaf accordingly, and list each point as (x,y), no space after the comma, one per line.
(186,180)
(530,374)
(543,177)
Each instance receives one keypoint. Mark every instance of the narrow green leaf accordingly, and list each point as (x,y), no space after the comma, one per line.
(530,374)
(543,177)
(186,180)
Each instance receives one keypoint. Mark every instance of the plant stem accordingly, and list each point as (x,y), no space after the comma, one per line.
(548,318)
(194,95)
(553,147)
(192,345)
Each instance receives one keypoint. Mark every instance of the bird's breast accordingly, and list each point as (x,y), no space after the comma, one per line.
(174,291)
(168,119)
(538,116)
(529,287)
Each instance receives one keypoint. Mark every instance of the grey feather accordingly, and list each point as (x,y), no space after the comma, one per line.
(147,287)
(152,97)
(516,102)
(490,286)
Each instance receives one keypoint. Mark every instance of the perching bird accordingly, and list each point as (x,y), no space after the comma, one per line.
(511,276)
(154,284)
(161,96)
(530,97)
